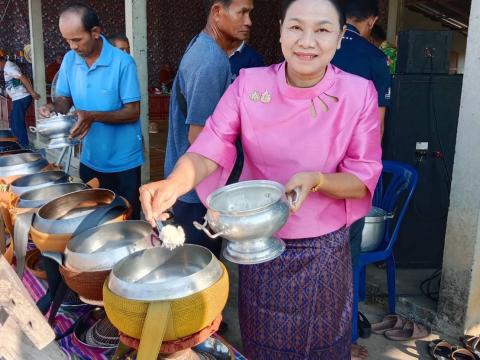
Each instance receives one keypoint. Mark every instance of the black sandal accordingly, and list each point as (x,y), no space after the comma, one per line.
(364,326)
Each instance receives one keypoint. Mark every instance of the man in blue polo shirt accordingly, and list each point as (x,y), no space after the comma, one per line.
(202,78)
(101,82)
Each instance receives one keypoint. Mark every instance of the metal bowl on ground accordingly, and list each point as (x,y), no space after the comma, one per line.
(162,274)
(213,347)
(247,214)
(101,247)
(38,181)
(92,330)
(21,164)
(57,129)
(38,197)
(374,229)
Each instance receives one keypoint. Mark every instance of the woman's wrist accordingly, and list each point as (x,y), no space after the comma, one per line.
(318,182)
(177,184)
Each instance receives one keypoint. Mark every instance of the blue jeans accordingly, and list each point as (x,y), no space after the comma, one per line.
(356,230)
(17,120)
(184,214)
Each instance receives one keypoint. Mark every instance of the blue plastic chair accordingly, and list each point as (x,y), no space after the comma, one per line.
(393,194)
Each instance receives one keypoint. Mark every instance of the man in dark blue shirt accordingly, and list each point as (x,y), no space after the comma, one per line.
(244,57)
(358,56)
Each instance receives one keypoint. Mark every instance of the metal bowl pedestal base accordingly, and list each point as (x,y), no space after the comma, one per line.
(61,142)
(255,251)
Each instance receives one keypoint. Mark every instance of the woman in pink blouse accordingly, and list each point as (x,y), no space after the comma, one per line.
(308,125)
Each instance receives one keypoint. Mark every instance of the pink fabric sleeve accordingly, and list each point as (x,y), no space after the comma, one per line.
(364,155)
(217,140)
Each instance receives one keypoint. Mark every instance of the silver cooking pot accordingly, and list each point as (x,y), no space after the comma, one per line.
(374,229)
(21,164)
(247,214)
(38,181)
(57,129)
(161,274)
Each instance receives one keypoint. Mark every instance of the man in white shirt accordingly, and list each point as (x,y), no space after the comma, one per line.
(20,90)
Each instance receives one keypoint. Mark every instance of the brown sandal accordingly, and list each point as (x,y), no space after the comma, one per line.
(463,354)
(472,343)
(441,349)
(410,331)
(389,322)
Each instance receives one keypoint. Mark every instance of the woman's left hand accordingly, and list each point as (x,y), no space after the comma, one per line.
(304,182)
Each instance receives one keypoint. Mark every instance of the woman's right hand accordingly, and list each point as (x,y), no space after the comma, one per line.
(46,110)
(156,198)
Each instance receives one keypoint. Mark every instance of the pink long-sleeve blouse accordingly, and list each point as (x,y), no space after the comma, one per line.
(331,127)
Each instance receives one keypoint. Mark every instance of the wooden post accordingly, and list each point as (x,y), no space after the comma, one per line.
(392,24)
(136,30)
(38,57)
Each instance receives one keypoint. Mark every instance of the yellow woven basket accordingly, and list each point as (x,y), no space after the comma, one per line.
(175,319)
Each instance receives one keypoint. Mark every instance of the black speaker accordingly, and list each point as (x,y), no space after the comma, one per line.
(424,52)
(421,130)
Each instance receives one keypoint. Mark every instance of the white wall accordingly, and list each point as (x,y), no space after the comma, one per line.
(413,20)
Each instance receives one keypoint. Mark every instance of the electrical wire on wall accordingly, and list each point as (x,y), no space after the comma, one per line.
(446,179)
(430,287)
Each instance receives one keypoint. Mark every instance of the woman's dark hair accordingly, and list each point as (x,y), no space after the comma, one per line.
(337,4)
(88,15)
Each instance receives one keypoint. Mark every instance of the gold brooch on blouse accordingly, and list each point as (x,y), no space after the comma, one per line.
(255,96)
(266,98)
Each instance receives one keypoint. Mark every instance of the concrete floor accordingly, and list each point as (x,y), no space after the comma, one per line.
(379,347)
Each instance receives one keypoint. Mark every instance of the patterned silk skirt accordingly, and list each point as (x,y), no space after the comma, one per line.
(299,306)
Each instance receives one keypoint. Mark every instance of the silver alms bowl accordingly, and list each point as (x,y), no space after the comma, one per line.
(101,247)
(56,129)
(38,181)
(160,274)
(21,164)
(38,197)
(247,214)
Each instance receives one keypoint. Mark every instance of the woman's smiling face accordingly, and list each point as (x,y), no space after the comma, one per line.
(310,35)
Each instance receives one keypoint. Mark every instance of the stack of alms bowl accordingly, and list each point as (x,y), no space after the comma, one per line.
(158,295)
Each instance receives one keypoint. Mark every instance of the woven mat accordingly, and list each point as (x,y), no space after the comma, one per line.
(66,317)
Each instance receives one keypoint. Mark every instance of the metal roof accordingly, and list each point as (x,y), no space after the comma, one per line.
(451,13)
